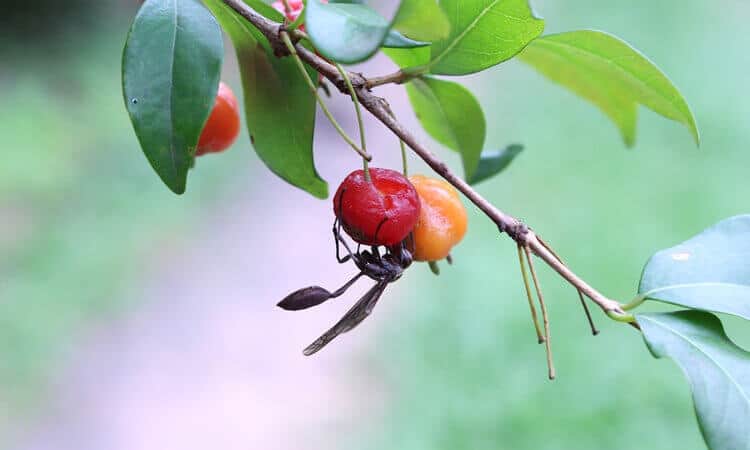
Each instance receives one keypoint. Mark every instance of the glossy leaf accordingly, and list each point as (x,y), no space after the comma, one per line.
(279,108)
(394,39)
(409,57)
(170,75)
(483,33)
(492,162)
(709,271)
(718,371)
(452,115)
(423,20)
(612,75)
(350,32)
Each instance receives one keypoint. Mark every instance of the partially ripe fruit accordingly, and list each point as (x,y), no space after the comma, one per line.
(222,126)
(382,211)
(442,219)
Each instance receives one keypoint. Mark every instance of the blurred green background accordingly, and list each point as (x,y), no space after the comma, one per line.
(80,209)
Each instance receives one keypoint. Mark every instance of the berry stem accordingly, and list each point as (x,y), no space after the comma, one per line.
(314,90)
(360,124)
(529,296)
(545,317)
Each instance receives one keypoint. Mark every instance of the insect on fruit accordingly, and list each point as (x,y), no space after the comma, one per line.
(442,219)
(223,124)
(381,211)
(385,268)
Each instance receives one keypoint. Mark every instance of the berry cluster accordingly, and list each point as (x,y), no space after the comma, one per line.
(389,208)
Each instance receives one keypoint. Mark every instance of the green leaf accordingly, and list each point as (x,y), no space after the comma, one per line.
(279,107)
(717,369)
(394,39)
(268,11)
(422,20)
(409,57)
(483,33)
(492,162)
(171,66)
(451,115)
(612,75)
(350,32)
(709,271)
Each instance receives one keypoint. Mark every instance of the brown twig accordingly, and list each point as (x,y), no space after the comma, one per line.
(545,316)
(529,295)
(379,108)
(594,331)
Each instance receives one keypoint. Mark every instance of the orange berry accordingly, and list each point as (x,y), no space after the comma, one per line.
(222,126)
(442,219)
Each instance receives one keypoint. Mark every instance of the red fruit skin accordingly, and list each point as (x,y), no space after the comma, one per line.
(361,206)
(222,126)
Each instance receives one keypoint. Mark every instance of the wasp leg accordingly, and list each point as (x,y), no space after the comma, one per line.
(314,295)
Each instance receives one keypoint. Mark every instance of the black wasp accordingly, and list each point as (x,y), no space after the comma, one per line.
(384,269)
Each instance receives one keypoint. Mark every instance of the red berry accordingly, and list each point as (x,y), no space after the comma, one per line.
(380,212)
(222,126)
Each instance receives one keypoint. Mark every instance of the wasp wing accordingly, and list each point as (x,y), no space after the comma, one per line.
(351,319)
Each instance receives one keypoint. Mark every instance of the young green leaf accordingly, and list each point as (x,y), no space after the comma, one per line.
(170,75)
(422,19)
(483,33)
(279,108)
(409,57)
(709,271)
(394,39)
(718,371)
(451,115)
(350,32)
(492,162)
(612,75)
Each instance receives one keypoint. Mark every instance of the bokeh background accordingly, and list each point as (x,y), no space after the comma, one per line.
(131,318)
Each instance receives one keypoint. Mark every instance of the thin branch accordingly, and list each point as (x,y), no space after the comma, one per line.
(529,296)
(379,108)
(398,77)
(594,331)
(545,316)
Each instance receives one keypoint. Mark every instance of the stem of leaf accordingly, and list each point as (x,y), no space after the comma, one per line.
(621,317)
(323,107)
(636,302)
(360,124)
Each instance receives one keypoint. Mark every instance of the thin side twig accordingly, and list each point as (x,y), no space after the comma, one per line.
(529,296)
(545,316)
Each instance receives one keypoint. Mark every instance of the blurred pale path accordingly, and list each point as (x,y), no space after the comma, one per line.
(209,361)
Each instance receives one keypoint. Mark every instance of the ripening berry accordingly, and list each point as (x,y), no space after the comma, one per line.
(222,126)
(382,211)
(442,219)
